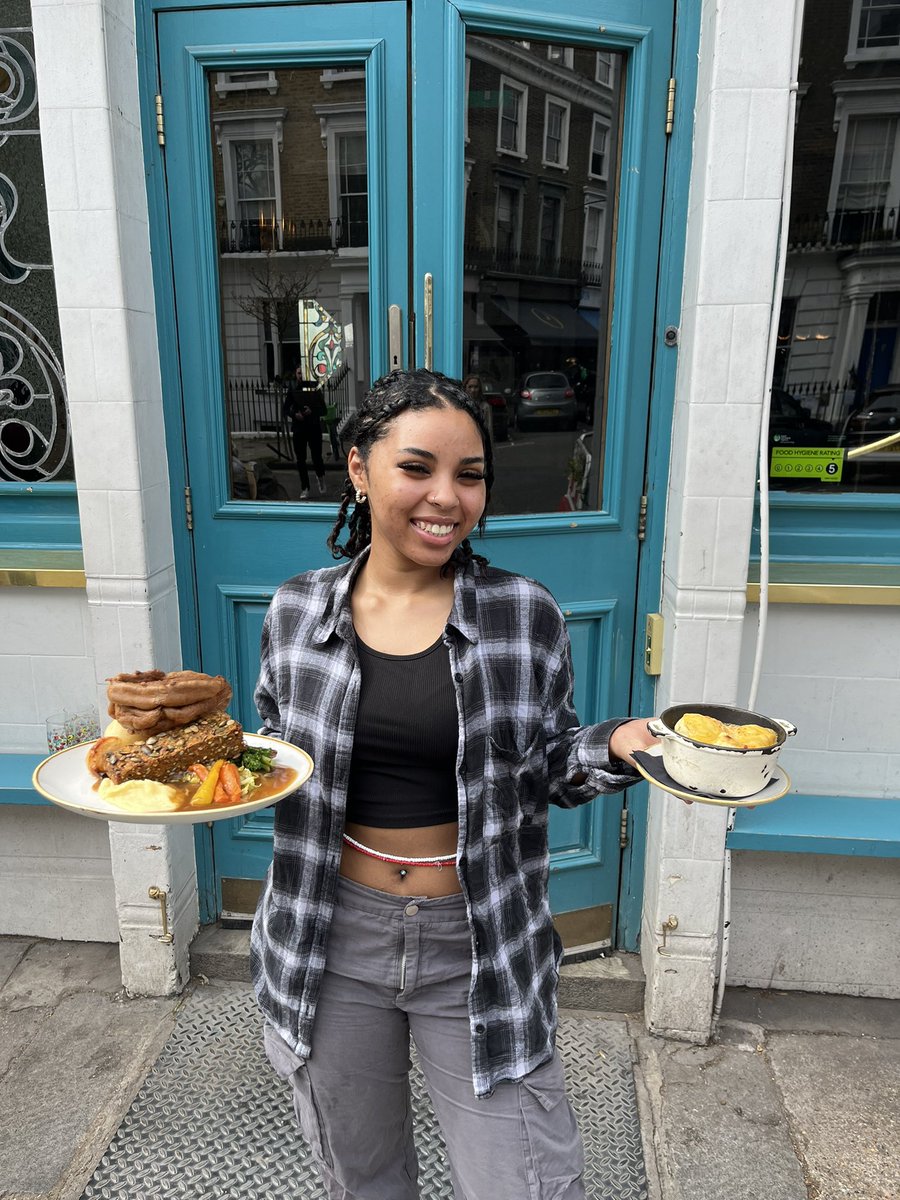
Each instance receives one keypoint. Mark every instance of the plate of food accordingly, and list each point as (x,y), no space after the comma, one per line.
(171,755)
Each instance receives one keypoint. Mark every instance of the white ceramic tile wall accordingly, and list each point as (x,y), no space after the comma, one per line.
(46,664)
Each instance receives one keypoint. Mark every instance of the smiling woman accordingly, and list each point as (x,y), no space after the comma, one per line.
(435,693)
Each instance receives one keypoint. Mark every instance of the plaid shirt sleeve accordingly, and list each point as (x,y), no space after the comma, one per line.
(573,751)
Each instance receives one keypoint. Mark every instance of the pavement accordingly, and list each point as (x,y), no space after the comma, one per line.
(798,1097)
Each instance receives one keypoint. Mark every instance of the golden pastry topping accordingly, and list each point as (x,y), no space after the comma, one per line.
(712,732)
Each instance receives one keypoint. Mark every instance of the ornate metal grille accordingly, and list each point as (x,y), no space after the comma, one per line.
(35,443)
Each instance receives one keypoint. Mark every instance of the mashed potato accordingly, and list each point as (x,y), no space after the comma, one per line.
(140,795)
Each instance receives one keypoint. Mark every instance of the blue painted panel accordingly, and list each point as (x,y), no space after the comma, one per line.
(41,515)
(859,826)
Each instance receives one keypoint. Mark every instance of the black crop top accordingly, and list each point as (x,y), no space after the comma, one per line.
(403,769)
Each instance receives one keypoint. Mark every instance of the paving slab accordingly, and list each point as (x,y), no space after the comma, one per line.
(72,1060)
(49,971)
(718,1128)
(12,951)
(842,1097)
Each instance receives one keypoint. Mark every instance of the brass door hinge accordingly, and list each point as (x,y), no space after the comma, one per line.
(623,829)
(160,122)
(642,519)
(188,509)
(670,107)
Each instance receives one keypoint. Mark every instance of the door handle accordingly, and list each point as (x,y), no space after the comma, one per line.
(429,322)
(395,338)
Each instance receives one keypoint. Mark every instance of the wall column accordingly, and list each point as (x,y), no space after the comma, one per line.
(99,231)
(741,122)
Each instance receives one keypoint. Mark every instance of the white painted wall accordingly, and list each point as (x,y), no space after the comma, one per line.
(835,672)
(810,921)
(55,875)
(815,923)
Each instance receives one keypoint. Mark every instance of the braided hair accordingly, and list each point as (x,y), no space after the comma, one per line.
(393,394)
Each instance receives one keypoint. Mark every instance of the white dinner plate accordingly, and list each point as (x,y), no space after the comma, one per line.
(64,779)
(650,765)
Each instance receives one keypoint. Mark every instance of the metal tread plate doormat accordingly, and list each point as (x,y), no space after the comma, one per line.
(212,1121)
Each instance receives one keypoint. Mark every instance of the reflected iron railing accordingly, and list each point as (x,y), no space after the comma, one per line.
(255,408)
(271,236)
(844,227)
(483,258)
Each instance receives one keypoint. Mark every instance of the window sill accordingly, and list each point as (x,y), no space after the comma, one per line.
(862,827)
(827,583)
(42,568)
(15,779)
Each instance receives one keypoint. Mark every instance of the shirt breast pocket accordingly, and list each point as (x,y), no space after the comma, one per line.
(515,782)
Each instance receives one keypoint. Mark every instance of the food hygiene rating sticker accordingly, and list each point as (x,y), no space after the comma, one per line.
(796,463)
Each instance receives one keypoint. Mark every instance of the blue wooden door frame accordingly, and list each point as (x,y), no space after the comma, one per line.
(677,173)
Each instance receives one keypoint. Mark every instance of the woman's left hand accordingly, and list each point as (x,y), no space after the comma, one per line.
(633,735)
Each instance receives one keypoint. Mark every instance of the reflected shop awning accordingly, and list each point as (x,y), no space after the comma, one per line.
(475,332)
(548,323)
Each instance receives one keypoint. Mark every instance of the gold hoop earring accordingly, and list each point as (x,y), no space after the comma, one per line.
(360,497)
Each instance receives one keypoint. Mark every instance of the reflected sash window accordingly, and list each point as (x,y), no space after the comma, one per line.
(556,132)
(550,230)
(599,141)
(513,112)
(879,25)
(509,224)
(354,189)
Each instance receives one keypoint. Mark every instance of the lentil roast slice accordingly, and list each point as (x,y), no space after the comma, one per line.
(165,754)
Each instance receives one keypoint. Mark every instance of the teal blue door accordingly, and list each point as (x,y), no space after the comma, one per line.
(477,188)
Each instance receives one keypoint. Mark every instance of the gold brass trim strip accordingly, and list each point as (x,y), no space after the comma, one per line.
(822,593)
(35,577)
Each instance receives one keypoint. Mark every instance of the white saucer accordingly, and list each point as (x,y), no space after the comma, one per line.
(650,765)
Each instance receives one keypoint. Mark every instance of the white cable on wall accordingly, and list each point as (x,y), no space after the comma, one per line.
(774,319)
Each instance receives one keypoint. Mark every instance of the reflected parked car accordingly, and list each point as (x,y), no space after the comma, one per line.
(790,424)
(879,416)
(544,397)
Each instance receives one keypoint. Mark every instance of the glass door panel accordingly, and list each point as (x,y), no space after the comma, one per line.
(542,154)
(290,184)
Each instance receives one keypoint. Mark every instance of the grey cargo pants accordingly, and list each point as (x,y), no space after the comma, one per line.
(396,966)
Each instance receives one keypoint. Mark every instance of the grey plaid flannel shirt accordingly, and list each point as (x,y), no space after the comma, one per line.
(519,745)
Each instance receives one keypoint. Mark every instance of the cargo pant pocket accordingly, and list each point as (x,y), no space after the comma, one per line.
(288,1066)
(552,1140)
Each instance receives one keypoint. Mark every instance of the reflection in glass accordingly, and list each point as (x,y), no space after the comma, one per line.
(836,382)
(541,156)
(291,212)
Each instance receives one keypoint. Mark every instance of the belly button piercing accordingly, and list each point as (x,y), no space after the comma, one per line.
(403,873)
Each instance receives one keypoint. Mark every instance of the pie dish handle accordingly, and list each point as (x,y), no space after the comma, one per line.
(788,728)
(657,728)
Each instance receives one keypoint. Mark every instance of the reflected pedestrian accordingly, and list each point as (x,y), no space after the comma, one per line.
(304,409)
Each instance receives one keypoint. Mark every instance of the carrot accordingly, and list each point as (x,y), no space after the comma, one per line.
(203,797)
(199,770)
(228,789)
